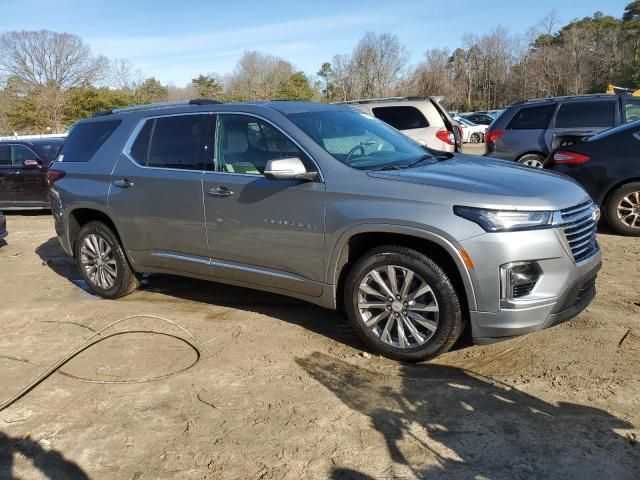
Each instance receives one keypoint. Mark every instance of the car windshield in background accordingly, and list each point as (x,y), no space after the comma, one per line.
(48,150)
(358,140)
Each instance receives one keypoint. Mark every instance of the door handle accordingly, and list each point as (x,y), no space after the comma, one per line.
(124,183)
(219,192)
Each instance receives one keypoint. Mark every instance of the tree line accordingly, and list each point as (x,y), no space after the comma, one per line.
(50,80)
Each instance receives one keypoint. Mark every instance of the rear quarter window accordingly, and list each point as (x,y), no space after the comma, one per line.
(85,139)
(586,114)
(401,118)
(532,118)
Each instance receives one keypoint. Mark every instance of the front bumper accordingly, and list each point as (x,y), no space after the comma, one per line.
(564,290)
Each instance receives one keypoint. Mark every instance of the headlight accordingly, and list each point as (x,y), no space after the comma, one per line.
(505,220)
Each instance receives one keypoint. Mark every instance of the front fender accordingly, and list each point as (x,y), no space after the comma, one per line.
(332,272)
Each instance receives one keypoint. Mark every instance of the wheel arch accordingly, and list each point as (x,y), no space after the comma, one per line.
(604,199)
(355,243)
(532,152)
(80,216)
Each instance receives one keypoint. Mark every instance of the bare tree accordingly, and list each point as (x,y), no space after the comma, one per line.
(41,58)
(123,76)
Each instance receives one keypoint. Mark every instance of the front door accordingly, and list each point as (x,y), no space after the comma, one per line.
(262,231)
(156,194)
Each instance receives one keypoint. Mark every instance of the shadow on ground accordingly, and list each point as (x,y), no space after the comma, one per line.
(50,463)
(444,422)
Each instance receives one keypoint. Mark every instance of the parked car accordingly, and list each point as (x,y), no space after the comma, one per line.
(479,118)
(526,130)
(422,118)
(23,172)
(471,132)
(325,204)
(3,225)
(607,165)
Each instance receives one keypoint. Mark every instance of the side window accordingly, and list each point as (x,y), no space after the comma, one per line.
(532,118)
(5,155)
(140,148)
(402,118)
(586,114)
(631,109)
(176,142)
(20,153)
(245,144)
(85,139)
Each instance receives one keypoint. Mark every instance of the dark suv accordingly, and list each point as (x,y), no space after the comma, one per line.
(23,172)
(526,130)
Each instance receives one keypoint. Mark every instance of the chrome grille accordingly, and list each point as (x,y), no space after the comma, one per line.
(579,227)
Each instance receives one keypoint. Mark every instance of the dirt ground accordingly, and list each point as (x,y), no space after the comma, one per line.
(282,389)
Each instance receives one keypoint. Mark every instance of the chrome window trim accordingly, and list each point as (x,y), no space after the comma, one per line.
(136,131)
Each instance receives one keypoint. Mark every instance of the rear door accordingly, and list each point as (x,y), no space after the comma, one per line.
(156,193)
(584,118)
(526,132)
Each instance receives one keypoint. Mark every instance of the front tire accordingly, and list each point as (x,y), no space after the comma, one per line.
(402,304)
(102,262)
(623,209)
(475,138)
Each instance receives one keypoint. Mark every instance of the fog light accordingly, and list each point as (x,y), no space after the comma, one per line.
(518,279)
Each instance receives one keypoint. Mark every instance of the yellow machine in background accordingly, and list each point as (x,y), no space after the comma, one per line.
(612,89)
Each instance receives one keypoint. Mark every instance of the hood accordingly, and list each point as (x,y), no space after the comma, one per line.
(492,182)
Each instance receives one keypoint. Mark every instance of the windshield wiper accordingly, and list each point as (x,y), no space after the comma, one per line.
(420,160)
(388,167)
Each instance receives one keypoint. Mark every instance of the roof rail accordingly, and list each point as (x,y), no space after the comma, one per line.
(566,97)
(384,99)
(151,106)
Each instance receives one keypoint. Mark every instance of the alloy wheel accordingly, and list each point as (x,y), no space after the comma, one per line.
(398,306)
(534,162)
(629,210)
(98,261)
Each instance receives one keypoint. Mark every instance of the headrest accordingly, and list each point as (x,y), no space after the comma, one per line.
(236,141)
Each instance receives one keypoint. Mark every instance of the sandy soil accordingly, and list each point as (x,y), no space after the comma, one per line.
(282,389)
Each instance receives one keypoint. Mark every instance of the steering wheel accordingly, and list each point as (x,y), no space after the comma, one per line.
(360,147)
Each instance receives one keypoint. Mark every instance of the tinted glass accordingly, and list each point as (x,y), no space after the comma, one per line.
(140,148)
(358,140)
(632,109)
(586,114)
(5,155)
(48,150)
(246,144)
(532,118)
(402,118)
(85,140)
(178,142)
(20,153)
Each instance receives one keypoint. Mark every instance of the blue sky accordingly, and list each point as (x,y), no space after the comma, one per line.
(176,40)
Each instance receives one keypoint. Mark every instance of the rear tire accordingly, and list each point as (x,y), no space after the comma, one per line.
(533,160)
(476,138)
(103,263)
(623,209)
(417,315)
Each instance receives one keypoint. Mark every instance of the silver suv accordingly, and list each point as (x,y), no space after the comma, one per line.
(329,205)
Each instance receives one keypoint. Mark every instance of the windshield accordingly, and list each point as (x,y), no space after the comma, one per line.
(358,140)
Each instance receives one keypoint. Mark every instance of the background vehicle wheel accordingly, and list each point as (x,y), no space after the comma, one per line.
(476,138)
(102,262)
(623,209)
(532,160)
(402,304)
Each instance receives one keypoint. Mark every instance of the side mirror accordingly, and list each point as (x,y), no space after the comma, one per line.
(31,163)
(288,169)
